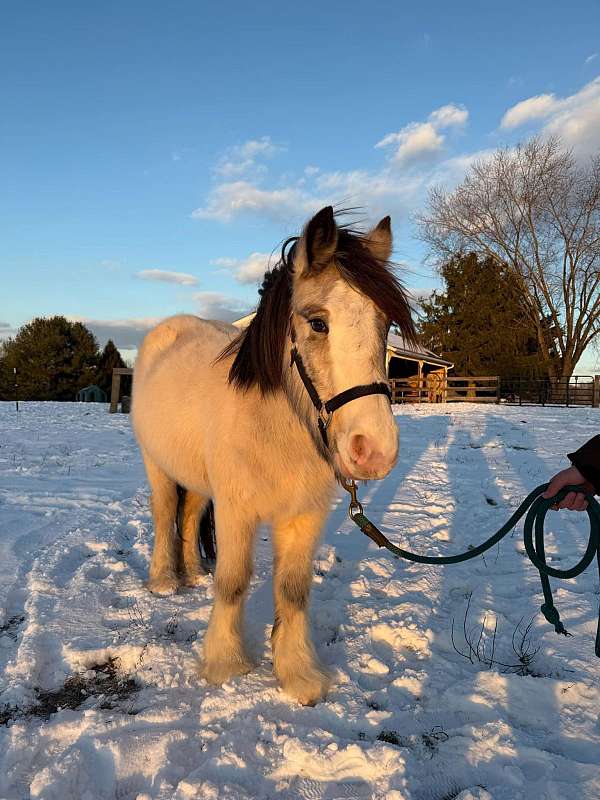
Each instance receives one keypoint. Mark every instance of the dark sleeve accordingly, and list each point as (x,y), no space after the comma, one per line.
(587,461)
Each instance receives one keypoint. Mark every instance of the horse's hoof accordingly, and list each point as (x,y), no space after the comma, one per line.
(164,585)
(220,672)
(192,580)
(308,689)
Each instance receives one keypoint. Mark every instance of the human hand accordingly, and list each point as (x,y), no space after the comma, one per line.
(574,501)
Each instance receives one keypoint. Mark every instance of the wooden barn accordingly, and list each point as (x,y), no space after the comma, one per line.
(416,374)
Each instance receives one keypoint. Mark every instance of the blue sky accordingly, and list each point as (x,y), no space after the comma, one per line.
(153,155)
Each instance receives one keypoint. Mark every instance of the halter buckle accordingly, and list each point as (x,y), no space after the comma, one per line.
(325,417)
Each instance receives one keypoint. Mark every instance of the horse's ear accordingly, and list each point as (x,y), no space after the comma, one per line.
(379,240)
(319,241)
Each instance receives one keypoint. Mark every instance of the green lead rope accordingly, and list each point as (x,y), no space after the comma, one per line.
(536,507)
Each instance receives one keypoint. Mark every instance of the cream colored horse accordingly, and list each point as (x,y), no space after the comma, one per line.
(229,419)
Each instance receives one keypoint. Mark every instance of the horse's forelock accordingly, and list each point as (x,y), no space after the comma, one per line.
(375,278)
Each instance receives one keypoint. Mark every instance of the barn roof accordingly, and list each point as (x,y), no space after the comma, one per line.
(399,347)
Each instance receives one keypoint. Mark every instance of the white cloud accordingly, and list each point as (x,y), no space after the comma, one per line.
(243,158)
(247,270)
(232,198)
(214,305)
(448,116)
(228,263)
(575,118)
(420,141)
(538,107)
(591,57)
(451,171)
(415,142)
(381,191)
(182,278)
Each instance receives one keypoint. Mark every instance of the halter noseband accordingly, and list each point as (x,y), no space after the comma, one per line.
(325,410)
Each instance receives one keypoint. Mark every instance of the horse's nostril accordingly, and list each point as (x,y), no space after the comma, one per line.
(360,448)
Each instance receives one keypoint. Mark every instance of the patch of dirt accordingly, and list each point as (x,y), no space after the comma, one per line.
(425,742)
(102,681)
(10,626)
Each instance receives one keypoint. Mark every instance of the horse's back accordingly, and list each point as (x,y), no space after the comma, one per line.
(213,335)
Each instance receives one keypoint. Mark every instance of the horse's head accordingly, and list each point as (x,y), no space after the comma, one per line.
(344,298)
(329,304)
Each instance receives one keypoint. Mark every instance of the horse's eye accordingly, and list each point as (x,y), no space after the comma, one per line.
(318,325)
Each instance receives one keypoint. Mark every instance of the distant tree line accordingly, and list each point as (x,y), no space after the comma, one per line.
(55,358)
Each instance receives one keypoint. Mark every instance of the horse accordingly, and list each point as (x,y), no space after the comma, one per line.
(242,419)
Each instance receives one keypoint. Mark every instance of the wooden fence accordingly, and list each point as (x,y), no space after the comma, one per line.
(479,389)
(453,389)
(580,390)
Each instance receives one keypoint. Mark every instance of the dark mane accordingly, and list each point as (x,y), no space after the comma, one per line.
(259,348)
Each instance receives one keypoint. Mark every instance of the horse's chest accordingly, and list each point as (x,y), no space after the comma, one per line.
(287,477)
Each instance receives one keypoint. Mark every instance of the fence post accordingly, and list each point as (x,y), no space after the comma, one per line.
(115,391)
(497,389)
(596,392)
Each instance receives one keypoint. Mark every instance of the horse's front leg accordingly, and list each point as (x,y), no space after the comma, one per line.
(294,659)
(224,653)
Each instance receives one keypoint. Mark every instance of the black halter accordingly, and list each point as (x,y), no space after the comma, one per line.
(325,410)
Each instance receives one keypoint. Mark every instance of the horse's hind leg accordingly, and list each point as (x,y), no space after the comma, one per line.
(294,659)
(224,653)
(190,567)
(163,566)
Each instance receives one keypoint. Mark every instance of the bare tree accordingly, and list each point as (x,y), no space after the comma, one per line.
(536,209)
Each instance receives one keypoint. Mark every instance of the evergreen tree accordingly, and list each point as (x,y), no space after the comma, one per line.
(54,359)
(109,360)
(480,321)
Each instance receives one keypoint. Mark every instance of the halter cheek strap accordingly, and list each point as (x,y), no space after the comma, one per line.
(325,410)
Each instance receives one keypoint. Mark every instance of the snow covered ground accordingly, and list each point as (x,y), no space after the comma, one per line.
(99,694)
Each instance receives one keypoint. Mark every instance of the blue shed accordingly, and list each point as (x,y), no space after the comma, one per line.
(91,394)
